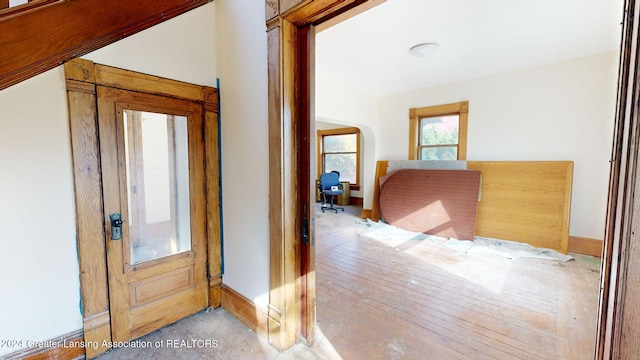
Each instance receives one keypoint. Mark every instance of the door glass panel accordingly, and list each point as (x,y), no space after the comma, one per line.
(157,171)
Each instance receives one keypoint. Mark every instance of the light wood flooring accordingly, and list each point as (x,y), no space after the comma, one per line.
(418,300)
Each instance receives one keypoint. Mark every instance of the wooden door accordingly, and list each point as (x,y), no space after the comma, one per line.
(152,159)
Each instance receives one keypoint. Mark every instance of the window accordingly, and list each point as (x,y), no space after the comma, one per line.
(339,150)
(439,132)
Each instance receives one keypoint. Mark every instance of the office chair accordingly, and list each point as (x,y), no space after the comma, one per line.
(330,186)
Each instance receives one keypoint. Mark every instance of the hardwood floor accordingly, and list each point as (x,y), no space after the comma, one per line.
(419,300)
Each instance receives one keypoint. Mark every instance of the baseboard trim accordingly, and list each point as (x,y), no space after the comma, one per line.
(585,246)
(69,346)
(366,213)
(251,314)
(355,201)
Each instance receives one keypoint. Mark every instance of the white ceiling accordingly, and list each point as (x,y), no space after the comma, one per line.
(476,38)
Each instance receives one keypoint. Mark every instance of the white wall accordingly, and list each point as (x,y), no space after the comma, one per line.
(242,65)
(182,48)
(339,103)
(562,111)
(38,258)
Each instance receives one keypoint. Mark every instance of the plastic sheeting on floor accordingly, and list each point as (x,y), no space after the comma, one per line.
(480,245)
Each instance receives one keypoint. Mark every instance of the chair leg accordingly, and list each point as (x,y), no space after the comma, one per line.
(331,206)
(336,208)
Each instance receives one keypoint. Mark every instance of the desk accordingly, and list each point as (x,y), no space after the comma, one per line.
(345,198)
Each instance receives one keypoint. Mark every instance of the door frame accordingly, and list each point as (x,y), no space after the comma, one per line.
(291,68)
(291,52)
(82,76)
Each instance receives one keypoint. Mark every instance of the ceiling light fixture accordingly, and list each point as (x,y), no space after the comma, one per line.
(424,49)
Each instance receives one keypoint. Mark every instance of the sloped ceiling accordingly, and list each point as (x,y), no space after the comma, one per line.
(476,38)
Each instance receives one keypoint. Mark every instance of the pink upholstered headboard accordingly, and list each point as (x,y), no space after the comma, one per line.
(435,202)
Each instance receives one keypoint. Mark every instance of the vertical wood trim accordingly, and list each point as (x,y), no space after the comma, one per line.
(414,123)
(305,139)
(112,202)
(620,273)
(359,155)
(88,193)
(611,279)
(381,170)
(284,75)
(277,253)
(212,158)
(284,201)
(319,153)
(462,127)
(568,191)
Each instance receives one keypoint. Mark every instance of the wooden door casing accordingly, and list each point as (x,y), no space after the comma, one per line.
(82,77)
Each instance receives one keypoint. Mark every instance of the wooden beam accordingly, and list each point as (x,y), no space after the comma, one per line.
(43,37)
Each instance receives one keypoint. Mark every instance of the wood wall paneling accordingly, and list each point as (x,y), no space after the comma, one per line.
(525,201)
